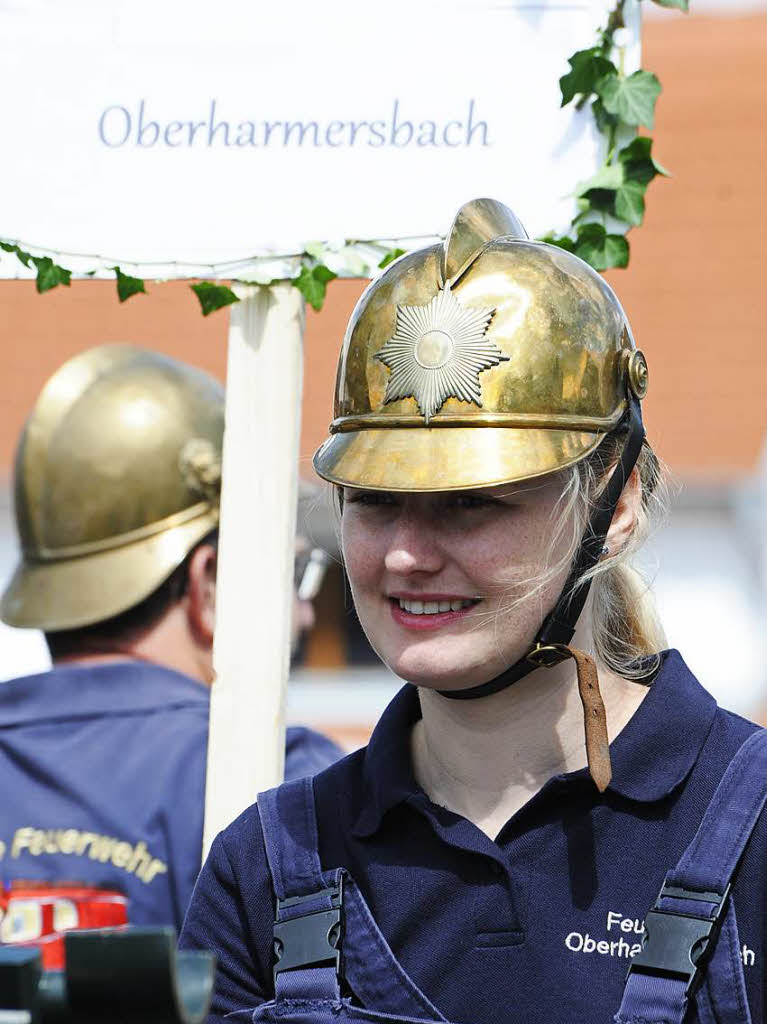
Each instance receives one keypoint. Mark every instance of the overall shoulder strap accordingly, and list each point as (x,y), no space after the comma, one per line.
(310,906)
(289,824)
(307,923)
(693,905)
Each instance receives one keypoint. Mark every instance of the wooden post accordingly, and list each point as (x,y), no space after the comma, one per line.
(251,655)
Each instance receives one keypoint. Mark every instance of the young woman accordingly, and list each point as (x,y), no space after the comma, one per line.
(478,862)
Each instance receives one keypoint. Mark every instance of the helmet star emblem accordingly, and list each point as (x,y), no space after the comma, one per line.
(437,352)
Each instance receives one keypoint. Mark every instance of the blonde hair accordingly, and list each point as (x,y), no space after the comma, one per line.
(627,632)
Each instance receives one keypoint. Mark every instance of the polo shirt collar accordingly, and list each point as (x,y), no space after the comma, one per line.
(651,756)
(388,768)
(658,748)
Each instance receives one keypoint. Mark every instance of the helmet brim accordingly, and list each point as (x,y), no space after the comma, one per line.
(448,458)
(70,593)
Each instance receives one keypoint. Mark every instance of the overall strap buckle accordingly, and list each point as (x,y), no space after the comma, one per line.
(312,938)
(677,944)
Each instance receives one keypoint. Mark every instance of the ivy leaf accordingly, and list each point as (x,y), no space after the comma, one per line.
(49,274)
(390,257)
(127,285)
(682,5)
(584,209)
(312,282)
(610,176)
(599,191)
(600,199)
(561,241)
(601,250)
(23,256)
(626,203)
(323,273)
(632,99)
(586,68)
(629,202)
(637,161)
(213,296)
(605,122)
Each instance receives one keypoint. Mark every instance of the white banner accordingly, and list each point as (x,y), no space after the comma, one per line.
(152,133)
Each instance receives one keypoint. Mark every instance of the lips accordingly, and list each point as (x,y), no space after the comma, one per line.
(421,607)
(429,611)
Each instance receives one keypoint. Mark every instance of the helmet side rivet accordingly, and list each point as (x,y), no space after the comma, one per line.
(637,374)
(200,466)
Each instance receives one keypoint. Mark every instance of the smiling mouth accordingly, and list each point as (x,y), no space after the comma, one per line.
(434,607)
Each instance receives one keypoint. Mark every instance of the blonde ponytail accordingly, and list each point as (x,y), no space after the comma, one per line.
(627,631)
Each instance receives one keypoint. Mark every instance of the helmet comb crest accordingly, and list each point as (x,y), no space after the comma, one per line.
(476,224)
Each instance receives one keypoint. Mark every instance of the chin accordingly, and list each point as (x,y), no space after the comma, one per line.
(439,664)
(433,675)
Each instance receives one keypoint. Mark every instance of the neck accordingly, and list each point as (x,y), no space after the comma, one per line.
(486,758)
(169,643)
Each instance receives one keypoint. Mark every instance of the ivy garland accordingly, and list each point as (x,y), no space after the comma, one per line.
(609,203)
(612,201)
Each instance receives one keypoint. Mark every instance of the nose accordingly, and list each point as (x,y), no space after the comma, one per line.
(414,547)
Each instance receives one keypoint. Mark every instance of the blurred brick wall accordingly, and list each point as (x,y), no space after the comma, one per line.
(693,291)
(694,288)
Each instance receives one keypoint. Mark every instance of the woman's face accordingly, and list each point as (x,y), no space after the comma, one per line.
(436,577)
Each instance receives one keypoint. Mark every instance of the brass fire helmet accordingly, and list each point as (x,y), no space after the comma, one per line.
(117,477)
(489,330)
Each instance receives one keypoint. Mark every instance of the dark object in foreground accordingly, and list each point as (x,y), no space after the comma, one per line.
(121,975)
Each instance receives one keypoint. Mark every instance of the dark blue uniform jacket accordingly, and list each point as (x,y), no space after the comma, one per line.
(103,781)
(536,926)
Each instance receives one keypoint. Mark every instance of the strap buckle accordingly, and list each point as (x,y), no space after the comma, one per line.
(676,944)
(310,939)
(547,655)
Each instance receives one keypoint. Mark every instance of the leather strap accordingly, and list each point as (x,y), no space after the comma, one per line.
(594,719)
(559,625)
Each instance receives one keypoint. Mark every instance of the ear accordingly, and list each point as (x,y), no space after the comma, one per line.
(201,594)
(626,514)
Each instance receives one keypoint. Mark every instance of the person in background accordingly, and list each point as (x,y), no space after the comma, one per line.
(103,758)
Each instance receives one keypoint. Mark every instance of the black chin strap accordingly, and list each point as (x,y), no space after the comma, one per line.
(559,625)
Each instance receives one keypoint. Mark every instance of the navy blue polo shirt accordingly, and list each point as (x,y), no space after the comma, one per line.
(536,926)
(103,781)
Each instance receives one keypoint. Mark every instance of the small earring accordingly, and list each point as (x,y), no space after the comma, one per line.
(605,550)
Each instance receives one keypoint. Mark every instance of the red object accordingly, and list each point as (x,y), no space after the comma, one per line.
(40,913)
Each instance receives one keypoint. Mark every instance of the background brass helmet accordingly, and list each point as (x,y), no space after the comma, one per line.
(117,477)
(453,342)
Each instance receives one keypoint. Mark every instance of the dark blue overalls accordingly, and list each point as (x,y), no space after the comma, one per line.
(690,957)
